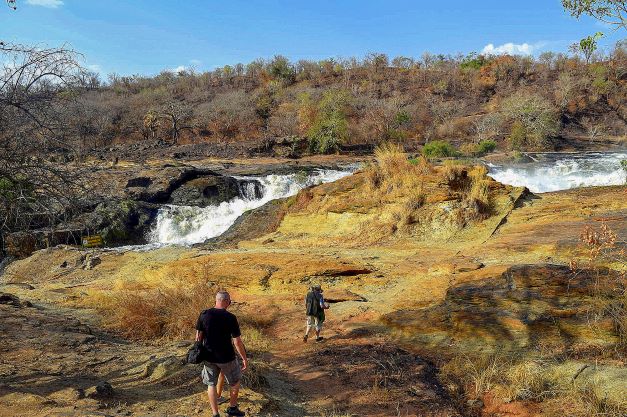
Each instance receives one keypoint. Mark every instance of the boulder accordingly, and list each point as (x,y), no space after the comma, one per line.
(102,390)
(251,225)
(525,307)
(121,222)
(213,190)
(10,299)
(91,261)
(22,244)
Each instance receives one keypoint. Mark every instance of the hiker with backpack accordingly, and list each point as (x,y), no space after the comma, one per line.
(314,308)
(219,333)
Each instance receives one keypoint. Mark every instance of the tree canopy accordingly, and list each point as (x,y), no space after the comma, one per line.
(613,12)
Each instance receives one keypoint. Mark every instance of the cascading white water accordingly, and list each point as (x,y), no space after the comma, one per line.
(186,225)
(554,172)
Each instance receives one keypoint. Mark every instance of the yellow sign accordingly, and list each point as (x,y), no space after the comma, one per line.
(92,241)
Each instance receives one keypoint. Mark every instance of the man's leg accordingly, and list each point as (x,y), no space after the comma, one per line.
(213,399)
(220,389)
(220,385)
(308,328)
(210,376)
(233,373)
(318,329)
(234,394)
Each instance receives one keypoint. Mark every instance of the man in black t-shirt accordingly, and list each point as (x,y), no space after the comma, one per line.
(219,332)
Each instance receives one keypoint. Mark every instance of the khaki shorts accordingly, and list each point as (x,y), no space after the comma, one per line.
(232,372)
(314,321)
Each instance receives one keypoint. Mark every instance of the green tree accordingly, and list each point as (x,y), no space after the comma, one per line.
(587,46)
(281,69)
(534,119)
(330,127)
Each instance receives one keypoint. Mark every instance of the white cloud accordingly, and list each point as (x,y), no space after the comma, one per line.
(51,4)
(195,62)
(94,67)
(510,48)
(178,69)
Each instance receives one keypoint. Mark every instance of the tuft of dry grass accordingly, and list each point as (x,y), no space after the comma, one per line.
(542,381)
(391,159)
(139,312)
(150,313)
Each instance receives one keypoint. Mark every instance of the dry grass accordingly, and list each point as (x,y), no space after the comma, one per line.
(540,381)
(605,249)
(142,312)
(147,313)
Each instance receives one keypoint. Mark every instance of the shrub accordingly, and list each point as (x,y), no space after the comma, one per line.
(472,61)
(517,136)
(468,149)
(391,159)
(478,149)
(485,147)
(330,127)
(439,149)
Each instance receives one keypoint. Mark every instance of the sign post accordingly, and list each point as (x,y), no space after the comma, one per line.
(92,241)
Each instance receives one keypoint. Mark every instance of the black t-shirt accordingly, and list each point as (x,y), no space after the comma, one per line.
(218,327)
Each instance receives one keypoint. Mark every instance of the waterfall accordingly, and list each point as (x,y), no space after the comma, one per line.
(554,172)
(186,225)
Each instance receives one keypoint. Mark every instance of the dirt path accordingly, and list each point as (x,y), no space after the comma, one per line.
(351,372)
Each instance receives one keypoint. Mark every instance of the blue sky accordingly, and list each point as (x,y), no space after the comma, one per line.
(147,36)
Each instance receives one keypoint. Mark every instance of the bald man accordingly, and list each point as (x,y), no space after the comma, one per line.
(219,331)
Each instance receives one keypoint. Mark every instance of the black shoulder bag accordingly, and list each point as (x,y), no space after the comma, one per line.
(197,353)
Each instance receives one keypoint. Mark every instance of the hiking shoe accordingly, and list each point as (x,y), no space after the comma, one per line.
(305,338)
(319,339)
(235,411)
(216,415)
(222,400)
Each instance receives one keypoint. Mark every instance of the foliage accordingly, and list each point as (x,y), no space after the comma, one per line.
(473,61)
(587,46)
(281,69)
(439,149)
(479,149)
(518,136)
(605,248)
(330,127)
(613,12)
(485,147)
(408,100)
(534,120)
(38,110)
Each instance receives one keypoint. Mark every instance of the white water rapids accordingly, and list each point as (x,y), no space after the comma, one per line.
(186,225)
(554,172)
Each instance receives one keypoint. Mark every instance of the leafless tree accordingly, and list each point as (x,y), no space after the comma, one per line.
(37,88)
(488,126)
(177,115)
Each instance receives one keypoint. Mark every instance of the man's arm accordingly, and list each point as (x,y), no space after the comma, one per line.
(199,335)
(241,350)
(322,305)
